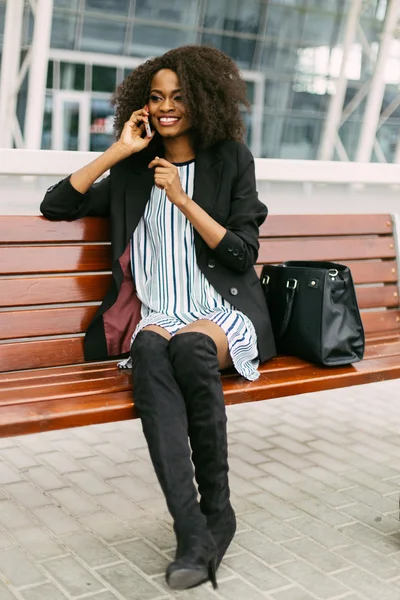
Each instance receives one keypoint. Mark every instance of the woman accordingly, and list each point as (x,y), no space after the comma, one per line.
(185,300)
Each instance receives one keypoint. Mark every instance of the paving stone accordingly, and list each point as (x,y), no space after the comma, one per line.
(12,517)
(289,444)
(280,489)
(318,509)
(299,435)
(143,556)
(8,474)
(269,526)
(89,483)
(294,593)
(263,548)
(370,538)
(27,494)
(253,441)
(155,532)
(18,457)
(72,576)
(38,543)
(45,478)
(366,584)
(319,532)
(314,581)
(120,506)
(241,468)
(47,591)
(330,478)
(76,448)
(89,549)
(108,527)
(75,502)
(56,520)
(242,486)
(280,510)
(374,563)
(236,589)
(18,569)
(256,572)
(142,470)
(129,583)
(133,488)
(373,499)
(114,453)
(288,458)
(250,456)
(372,518)
(61,462)
(6,594)
(321,558)
(5,541)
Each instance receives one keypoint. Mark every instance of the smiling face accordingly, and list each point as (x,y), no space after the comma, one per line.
(167,111)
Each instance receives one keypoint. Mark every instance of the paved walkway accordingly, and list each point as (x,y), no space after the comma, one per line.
(315,481)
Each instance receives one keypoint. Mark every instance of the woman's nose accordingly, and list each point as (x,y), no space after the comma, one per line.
(167,104)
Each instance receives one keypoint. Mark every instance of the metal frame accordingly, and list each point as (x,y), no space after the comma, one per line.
(83,100)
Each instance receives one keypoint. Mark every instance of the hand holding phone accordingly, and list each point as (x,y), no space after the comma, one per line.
(147,125)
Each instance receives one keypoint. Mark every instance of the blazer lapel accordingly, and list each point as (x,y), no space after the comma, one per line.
(207,179)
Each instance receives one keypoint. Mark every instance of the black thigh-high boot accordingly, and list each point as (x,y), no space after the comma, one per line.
(194,358)
(162,410)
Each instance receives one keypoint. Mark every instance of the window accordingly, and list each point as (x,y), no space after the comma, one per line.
(112,7)
(103,35)
(63,31)
(103,79)
(72,77)
(150,40)
(173,11)
(241,50)
(233,15)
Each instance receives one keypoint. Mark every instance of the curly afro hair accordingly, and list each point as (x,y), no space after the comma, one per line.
(212,90)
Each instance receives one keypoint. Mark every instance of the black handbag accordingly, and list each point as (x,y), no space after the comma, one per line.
(314,311)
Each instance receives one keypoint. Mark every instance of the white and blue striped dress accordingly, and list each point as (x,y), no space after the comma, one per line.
(172,289)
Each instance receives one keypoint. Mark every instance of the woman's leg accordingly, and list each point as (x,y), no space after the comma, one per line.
(197,353)
(162,410)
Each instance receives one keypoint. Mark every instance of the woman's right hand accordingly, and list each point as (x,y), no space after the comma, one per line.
(133,137)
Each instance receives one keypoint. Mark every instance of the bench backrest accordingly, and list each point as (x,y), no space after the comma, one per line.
(53,275)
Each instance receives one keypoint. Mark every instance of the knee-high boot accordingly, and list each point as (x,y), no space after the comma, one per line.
(194,358)
(162,410)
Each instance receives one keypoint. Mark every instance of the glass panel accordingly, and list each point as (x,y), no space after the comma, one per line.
(284,23)
(63,31)
(173,11)
(388,136)
(349,135)
(278,94)
(300,138)
(72,77)
(101,35)
(103,79)
(71,125)
(279,55)
(272,134)
(233,15)
(241,50)
(2,20)
(101,125)
(151,41)
(47,122)
(324,30)
(72,4)
(50,75)
(121,7)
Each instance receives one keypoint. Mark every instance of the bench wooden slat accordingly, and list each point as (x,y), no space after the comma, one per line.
(23,229)
(381,320)
(16,356)
(369,271)
(100,408)
(335,249)
(50,290)
(45,321)
(62,321)
(66,382)
(54,259)
(308,225)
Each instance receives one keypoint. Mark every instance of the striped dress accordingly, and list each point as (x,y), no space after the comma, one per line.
(172,289)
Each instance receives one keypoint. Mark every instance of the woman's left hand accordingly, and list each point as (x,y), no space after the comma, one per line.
(166,177)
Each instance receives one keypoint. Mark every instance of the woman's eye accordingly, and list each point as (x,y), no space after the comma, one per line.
(155,98)
(178,98)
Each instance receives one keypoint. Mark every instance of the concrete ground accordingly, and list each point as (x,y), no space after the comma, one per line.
(315,481)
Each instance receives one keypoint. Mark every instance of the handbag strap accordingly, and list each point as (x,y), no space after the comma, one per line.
(291,286)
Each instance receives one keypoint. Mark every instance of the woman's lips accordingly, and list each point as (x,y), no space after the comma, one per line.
(168,121)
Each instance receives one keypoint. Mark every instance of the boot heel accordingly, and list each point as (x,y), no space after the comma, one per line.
(212,573)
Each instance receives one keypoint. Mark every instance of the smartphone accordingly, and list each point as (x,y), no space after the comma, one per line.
(147,126)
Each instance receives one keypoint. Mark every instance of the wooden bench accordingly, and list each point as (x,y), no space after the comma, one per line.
(53,276)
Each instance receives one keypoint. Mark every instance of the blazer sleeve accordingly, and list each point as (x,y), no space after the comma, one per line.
(238,249)
(62,202)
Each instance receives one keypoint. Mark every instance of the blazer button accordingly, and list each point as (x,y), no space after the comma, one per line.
(241,256)
(230,248)
(211,263)
(233,291)
(236,252)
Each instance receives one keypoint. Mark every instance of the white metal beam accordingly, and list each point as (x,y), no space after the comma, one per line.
(38,73)
(9,70)
(335,109)
(377,88)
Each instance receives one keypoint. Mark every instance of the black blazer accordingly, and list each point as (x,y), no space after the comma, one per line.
(225,187)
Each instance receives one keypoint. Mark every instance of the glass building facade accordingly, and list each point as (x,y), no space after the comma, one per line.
(289,51)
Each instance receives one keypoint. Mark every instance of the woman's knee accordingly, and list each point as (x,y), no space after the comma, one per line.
(147,346)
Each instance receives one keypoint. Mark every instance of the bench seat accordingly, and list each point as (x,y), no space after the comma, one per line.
(53,275)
